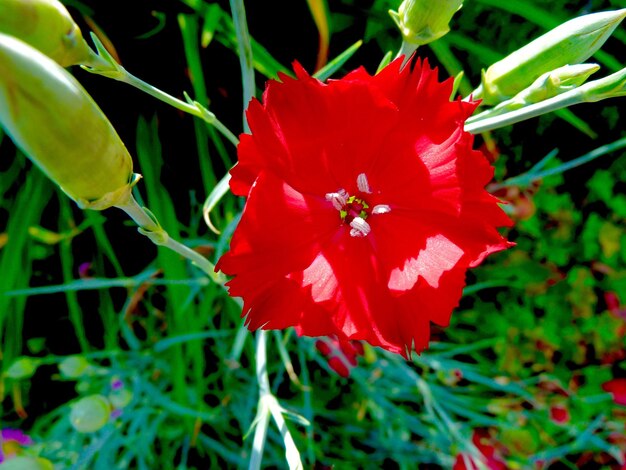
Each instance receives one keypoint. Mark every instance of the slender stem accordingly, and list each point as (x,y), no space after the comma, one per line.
(197,110)
(260,436)
(195,257)
(245,53)
(261,362)
(535,173)
(263,412)
(406,50)
(139,215)
(155,232)
(478,124)
(137,82)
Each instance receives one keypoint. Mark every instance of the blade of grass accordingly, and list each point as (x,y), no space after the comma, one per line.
(16,260)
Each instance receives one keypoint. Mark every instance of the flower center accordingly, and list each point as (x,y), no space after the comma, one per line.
(354,210)
(354,207)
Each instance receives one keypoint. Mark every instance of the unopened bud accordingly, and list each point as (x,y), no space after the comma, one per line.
(22,368)
(90,414)
(549,84)
(47,26)
(423,21)
(51,117)
(26,462)
(73,367)
(570,43)
(608,87)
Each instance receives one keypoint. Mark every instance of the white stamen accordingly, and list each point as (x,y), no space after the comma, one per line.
(338,199)
(360,228)
(363,184)
(381,209)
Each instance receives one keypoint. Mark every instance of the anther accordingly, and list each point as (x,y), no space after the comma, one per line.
(338,199)
(381,209)
(360,228)
(363,184)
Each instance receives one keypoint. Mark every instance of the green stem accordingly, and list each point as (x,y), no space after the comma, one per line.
(150,227)
(245,53)
(195,110)
(263,412)
(534,174)
(406,50)
(478,124)
(104,64)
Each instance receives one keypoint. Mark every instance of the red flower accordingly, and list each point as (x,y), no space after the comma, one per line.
(489,457)
(342,355)
(366,205)
(617,388)
(559,414)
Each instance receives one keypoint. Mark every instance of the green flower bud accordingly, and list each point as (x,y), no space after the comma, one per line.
(74,367)
(608,87)
(47,26)
(120,398)
(570,43)
(549,84)
(26,463)
(90,414)
(423,21)
(22,368)
(50,116)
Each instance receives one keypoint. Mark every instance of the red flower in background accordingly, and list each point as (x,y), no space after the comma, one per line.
(489,458)
(366,205)
(617,388)
(342,355)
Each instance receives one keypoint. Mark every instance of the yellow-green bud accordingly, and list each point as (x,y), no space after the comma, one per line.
(47,26)
(51,117)
(24,462)
(570,43)
(22,368)
(90,414)
(550,84)
(608,87)
(423,21)
(74,367)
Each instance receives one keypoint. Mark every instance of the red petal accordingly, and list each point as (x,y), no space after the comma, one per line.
(338,366)
(281,231)
(317,137)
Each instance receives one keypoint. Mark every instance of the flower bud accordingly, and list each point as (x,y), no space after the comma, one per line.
(22,368)
(549,84)
(73,367)
(47,26)
(423,21)
(570,43)
(50,116)
(608,87)
(26,462)
(90,414)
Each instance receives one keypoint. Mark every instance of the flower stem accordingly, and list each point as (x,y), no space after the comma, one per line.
(104,64)
(245,53)
(478,124)
(268,405)
(149,226)
(196,109)
(406,50)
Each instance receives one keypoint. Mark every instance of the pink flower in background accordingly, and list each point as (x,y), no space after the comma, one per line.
(365,207)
